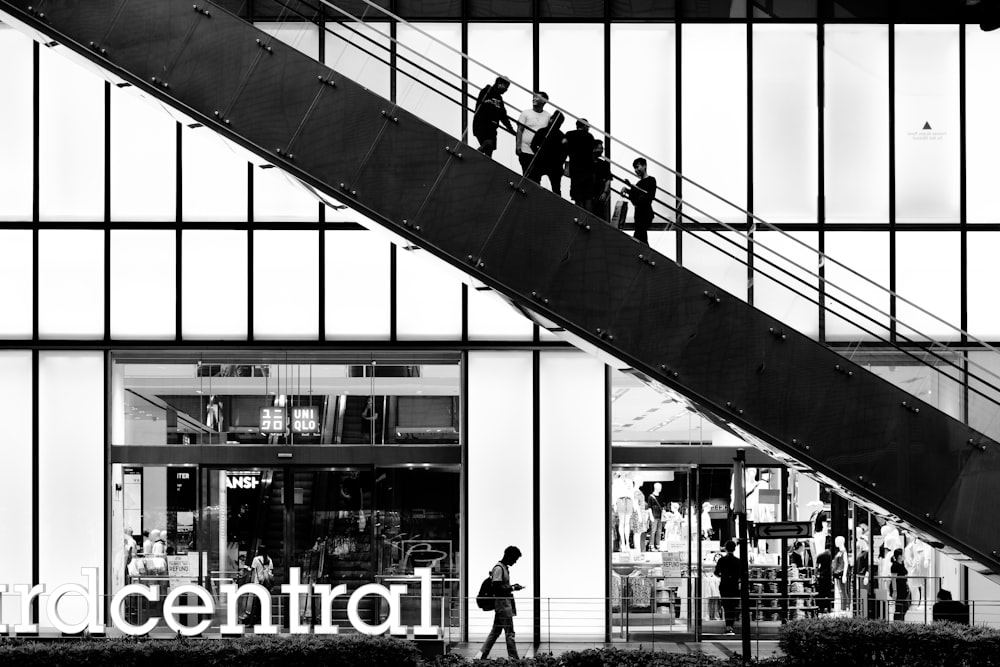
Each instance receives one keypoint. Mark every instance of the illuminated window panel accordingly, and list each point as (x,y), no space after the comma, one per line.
(982,108)
(357,286)
(214,285)
(932,286)
(15,273)
(857,302)
(856,123)
(714,128)
(927,124)
(15,125)
(71,283)
(419,92)
(143,284)
(286,284)
(70,140)
(143,158)
(425,284)
(505,48)
(785,123)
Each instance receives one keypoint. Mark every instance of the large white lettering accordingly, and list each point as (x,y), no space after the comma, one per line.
(177,604)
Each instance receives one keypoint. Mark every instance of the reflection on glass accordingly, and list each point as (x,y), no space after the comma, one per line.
(247,403)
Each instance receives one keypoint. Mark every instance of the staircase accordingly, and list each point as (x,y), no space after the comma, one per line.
(784,392)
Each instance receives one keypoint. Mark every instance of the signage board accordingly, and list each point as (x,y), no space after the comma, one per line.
(782,529)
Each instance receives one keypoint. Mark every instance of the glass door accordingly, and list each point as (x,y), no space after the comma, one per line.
(653,583)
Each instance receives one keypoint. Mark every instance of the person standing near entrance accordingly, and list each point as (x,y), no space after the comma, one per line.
(505,610)
(728,572)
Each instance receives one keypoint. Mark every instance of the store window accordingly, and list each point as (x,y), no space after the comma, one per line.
(173,525)
(255,400)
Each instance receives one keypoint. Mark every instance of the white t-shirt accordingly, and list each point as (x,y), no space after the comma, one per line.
(532,121)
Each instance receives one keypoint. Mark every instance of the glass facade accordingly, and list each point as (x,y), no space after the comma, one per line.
(179,314)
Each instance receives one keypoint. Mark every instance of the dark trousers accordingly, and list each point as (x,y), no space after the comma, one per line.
(730,606)
(643,219)
(526,168)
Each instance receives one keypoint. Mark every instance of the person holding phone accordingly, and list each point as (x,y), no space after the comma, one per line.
(505,610)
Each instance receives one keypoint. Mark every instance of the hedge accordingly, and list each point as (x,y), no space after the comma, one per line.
(605,657)
(249,651)
(843,642)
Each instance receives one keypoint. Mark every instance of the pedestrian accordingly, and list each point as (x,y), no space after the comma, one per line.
(601,198)
(580,152)
(727,569)
(505,610)
(641,195)
(530,121)
(899,588)
(490,113)
(550,154)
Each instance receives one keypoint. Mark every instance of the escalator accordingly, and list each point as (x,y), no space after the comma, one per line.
(742,368)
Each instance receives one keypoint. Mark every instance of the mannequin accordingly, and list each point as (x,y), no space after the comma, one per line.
(622,490)
(819,534)
(840,560)
(861,568)
(706,521)
(213,414)
(891,541)
(672,519)
(917,557)
(655,510)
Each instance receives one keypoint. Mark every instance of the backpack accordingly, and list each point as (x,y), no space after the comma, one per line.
(485,599)
(267,573)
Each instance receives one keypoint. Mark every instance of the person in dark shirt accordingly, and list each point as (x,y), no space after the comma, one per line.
(490,113)
(580,151)
(900,590)
(727,569)
(824,581)
(601,197)
(641,195)
(795,556)
(549,153)
(946,609)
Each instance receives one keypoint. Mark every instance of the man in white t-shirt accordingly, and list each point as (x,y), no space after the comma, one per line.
(530,121)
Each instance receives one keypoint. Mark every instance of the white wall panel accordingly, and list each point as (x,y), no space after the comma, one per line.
(927,124)
(286,284)
(714,127)
(650,127)
(572,508)
(15,492)
(982,108)
(15,274)
(143,158)
(214,285)
(418,92)
(500,502)
(70,283)
(70,140)
(861,256)
(785,123)
(357,286)
(927,274)
(492,318)
(856,123)
(786,280)
(16,125)
(143,284)
(366,63)
(505,48)
(428,297)
(213,177)
(70,469)
(984,316)
(720,258)
(571,71)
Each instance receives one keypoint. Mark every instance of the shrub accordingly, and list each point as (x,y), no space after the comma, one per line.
(250,651)
(841,642)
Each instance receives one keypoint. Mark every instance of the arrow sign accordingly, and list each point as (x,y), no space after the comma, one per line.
(782,529)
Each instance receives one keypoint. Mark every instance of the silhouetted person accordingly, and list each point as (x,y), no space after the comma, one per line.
(490,114)
(946,609)
(641,195)
(505,610)
(550,154)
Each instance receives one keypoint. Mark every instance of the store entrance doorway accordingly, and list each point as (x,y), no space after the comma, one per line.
(653,587)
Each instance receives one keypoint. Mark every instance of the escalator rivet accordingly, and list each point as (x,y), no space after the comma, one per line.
(470,256)
(795,441)
(653,263)
(417,227)
(610,336)
(940,522)
(861,478)
(873,485)
(354,192)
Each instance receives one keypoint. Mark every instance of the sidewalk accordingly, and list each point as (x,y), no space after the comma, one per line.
(716,648)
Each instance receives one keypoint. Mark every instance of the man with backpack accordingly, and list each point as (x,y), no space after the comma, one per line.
(504,609)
